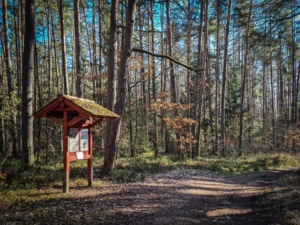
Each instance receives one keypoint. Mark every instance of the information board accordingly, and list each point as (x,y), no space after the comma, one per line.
(84,139)
(74,140)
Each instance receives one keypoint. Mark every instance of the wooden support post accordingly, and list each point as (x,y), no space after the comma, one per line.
(90,160)
(66,181)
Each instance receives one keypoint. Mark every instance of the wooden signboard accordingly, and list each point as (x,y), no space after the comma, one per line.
(77,116)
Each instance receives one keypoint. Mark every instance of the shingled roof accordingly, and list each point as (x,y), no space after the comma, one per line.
(89,107)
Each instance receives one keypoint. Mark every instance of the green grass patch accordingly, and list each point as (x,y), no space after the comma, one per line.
(136,169)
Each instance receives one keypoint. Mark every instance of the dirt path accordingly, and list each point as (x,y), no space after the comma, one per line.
(178,197)
(186,197)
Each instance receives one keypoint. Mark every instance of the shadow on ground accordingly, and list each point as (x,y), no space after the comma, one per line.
(180,197)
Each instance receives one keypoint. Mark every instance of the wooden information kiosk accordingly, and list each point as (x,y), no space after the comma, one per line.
(77,116)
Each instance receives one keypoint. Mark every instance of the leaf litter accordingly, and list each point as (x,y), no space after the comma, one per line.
(180,196)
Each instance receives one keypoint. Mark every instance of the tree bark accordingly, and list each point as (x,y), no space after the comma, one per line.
(163,82)
(294,104)
(172,78)
(110,144)
(27,80)
(17,46)
(188,76)
(130,118)
(143,77)
(77,49)
(2,129)
(100,52)
(114,130)
(10,85)
(204,70)
(56,65)
(94,53)
(244,77)
(198,86)
(153,68)
(63,48)
(49,12)
(216,147)
(223,128)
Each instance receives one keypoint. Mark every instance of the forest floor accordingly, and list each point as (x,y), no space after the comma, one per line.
(180,196)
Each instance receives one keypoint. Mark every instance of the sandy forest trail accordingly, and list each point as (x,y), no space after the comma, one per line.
(181,196)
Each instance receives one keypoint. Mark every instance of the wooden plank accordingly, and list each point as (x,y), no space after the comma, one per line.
(74,157)
(90,160)
(56,120)
(66,181)
(60,109)
(97,122)
(74,120)
(42,112)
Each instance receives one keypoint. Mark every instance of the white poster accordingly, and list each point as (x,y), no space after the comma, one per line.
(74,140)
(79,155)
(84,139)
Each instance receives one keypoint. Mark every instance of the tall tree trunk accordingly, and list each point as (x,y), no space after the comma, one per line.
(130,117)
(293,67)
(143,77)
(2,129)
(202,77)
(77,49)
(272,100)
(56,64)
(188,76)
(223,128)
(94,53)
(172,78)
(10,85)
(209,93)
(37,103)
(17,46)
(49,12)
(114,130)
(153,70)
(27,80)
(195,152)
(100,52)
(50,77)
(163,83)
(88,42)
(63,48)
(265,101)
(100,97)
(281,108)
(244,78)
(109,156)
(216,148)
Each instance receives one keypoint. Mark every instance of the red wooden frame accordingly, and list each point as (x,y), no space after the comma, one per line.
(62,110)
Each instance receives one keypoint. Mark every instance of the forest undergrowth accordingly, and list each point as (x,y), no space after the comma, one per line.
(44,182)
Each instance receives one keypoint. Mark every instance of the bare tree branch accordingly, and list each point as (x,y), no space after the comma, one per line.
(166,57)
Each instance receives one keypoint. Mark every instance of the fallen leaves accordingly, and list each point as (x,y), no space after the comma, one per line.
(180,196)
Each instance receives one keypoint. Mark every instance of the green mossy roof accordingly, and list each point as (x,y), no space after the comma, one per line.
(91,107)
